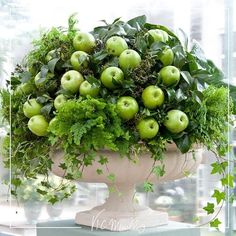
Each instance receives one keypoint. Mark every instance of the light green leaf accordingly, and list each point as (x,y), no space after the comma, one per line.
(220,196)
(215,223)
(210,208)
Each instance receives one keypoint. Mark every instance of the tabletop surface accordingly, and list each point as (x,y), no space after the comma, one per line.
(68,227)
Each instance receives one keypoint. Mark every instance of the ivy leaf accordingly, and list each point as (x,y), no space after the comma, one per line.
(16,182)
(228,181)
(111,177)
(53,200)
(210,208)
(46,184)
(63,166)
(215,223)
(42,192)
(99,171)
(148,187)
(219,168)
(159,170)
(220,196)
(103,160)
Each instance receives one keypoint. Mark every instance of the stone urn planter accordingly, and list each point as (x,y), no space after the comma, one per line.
(121,212)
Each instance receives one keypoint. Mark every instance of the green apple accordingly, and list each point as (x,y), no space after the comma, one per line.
(167,57)
(71,81)
(38,125)
(129,59)
(127,107)
(111,74)
(170,75)
(147,128)
(158,35)
(79,60)
(25,88)
(40,81)
(31,108)
(176,121)
(152,97)
(88,89)
(84,42)
(59,101)
(50,55)
(116,45)
(51,123)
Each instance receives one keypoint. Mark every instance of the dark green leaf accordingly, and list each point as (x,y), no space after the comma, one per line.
(183,143)
(130,31)
(25,77)
(187,77)
(42,192)
(180,95)
(43,99)
(16,182)
(117,19)
(103,160)
(99,171)
(99,56)
(93,81)
(52,64)
(44,71)
(183,38)
(137,21)
(63,166)
(171,94)
(53,199)
(45,110)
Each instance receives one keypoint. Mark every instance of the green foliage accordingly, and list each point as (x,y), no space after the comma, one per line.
(210,208)
(148,187)
(215,223)
(219,196)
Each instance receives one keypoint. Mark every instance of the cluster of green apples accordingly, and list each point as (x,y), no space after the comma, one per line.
(112,77)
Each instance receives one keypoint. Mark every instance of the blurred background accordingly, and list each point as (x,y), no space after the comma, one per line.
(210,22)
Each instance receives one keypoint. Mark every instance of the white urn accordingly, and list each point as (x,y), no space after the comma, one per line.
(120,211)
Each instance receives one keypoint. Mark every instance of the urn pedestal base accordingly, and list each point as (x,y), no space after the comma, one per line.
(137,221)
(121,212)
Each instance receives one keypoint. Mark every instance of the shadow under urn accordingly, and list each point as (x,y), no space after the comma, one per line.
(121,212)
